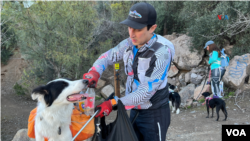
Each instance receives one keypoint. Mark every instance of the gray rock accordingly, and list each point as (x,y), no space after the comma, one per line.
(100,84)
(182,79)
(195,103)
(189,102)
(192,112)
(109,89)
(187,77)
(201,70)
(170,37)
(173,71)
(187,93)
(185,59)
(237,71)
(171,81)
(196,78)
(198,91)
(21,135)
(246,87)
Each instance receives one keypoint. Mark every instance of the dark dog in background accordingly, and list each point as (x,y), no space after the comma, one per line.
(174,99)
(215,102)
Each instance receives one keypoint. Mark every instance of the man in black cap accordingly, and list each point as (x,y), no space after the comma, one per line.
(147,58)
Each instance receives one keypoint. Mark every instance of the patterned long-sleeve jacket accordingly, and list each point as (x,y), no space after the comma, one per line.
(147,70)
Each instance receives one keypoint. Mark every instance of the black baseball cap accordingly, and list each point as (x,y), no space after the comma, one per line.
(140,15)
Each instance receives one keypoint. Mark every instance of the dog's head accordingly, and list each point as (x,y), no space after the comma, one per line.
(171,87)
(206,94)
(61,91)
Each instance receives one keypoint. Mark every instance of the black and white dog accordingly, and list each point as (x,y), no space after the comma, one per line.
(215,102)
(174,99)
(55,106)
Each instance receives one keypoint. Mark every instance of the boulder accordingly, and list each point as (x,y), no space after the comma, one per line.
(21,135)
(196,78)
(100,84)
(201,70)
(109,89)
(182,79)
(171,81)
(246,87)
(173,71)
(237,71)
(171,37)
(187,77)
(197,91)
(187,93)
(185,59)
(189,102)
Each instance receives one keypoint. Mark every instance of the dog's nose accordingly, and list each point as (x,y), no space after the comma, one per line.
(85,81)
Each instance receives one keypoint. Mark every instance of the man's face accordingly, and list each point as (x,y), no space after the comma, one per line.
(141,36)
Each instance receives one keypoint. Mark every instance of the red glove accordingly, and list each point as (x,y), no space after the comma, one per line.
(105,108)
(92,76)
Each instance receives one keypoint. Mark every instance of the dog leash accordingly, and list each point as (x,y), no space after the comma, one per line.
(204,83)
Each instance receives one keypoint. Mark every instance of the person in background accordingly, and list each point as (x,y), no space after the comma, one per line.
(217,71)
(147,58)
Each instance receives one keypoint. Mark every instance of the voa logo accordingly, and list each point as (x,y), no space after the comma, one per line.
(225,17)
(236,132)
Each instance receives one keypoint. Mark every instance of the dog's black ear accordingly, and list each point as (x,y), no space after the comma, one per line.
(39,91)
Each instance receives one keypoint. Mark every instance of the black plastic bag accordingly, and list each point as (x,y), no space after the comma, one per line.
(120,130)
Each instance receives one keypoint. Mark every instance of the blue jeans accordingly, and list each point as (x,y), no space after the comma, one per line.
(151,125)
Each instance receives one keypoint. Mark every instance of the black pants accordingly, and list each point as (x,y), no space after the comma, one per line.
(151,125)
(216,76)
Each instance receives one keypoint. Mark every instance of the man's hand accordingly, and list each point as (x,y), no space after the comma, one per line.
(105,108)
(92,76)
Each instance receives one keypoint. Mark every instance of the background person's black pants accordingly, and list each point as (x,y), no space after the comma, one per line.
(151,125)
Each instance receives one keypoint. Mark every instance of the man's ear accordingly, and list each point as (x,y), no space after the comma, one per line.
(39,91)
(152,29)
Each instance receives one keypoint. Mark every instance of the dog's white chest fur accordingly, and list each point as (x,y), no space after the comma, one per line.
(49,120)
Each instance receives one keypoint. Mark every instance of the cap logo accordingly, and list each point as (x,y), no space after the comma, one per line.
(135,14)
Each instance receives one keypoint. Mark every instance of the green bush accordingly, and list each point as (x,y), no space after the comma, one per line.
(8,36)
(58,38)
(19,89)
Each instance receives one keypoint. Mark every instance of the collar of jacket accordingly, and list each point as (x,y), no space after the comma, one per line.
(148,44)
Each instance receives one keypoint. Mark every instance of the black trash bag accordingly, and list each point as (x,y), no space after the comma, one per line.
(120,130)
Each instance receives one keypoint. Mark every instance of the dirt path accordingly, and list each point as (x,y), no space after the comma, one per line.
(15,112)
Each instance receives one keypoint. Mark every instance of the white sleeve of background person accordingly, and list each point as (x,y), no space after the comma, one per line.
(150,85)
(110,57)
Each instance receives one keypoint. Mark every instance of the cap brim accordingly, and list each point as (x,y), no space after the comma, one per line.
(133,24)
